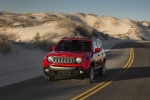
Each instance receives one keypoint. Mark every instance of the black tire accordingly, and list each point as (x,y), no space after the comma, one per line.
(102,70)
(90,78)
(49,78)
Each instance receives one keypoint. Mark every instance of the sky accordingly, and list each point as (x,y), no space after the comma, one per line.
(137,10)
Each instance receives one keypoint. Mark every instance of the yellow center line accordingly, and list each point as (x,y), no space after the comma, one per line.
(100,86)
(109,82)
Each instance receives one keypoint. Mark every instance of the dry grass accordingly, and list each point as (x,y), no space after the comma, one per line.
(66,23)
(98,23)
(47,40)
(81,14)
(26,22)
(92,15)
(9,36)
(44,42)
(5,23)
(5,46)
(5,42)
(79,27)
(50,18)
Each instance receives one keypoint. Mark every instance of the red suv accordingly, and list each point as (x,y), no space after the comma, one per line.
(75,57)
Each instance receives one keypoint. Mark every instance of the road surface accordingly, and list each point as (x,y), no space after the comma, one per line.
(127,78)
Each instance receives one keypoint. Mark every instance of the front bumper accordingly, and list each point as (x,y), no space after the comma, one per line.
(64,71)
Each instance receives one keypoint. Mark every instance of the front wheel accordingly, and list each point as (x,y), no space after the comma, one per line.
(90,77)
(49,78)
(102,70)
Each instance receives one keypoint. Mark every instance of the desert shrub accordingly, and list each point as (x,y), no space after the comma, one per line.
(5,22)
(72,33)
(85,31)
(25,20)
(36,38)
(49,36)
(5,46)
(66,23)
(12,37)
(81,14)
(98,23)
(47,13)
(93,15)
(136,22)
(32,17)
(1,13)
(49,18)
(82,28)
(9,13)
(44,42)
(9,36)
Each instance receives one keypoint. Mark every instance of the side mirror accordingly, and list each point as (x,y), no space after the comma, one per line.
(53,48)
(97,50)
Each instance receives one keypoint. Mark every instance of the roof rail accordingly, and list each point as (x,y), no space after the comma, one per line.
(94,38)
(73,37)
(80,37)
(64,37)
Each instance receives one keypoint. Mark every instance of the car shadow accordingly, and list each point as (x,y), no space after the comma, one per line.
(132,44)
(130,73)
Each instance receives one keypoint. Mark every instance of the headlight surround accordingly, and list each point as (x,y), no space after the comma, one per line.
(50,59)
(78,60)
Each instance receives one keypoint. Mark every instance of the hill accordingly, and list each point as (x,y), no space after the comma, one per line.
(26,26)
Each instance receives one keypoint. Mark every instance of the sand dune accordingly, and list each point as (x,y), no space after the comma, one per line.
(27,25)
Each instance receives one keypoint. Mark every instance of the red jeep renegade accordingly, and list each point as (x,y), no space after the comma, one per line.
(75,57)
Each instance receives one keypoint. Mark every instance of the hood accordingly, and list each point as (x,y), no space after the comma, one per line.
(68,54)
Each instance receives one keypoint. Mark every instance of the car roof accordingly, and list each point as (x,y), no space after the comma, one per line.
(76,38)
(82,38)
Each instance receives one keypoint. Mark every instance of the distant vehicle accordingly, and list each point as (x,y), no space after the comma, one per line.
(77,57)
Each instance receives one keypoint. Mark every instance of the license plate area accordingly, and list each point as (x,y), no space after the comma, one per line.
(63,72)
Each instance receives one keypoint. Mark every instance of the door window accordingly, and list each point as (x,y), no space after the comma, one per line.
(94,45)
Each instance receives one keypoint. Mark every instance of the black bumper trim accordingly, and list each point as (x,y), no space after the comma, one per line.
(65,71)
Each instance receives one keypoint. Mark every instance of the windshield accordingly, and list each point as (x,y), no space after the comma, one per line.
(73,45)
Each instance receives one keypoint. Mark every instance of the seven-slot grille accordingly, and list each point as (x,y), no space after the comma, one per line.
(61,59)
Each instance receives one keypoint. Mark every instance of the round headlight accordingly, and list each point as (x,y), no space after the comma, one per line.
(78,60)
(50,59)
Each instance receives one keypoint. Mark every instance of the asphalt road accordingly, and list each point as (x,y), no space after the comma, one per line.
(132,84)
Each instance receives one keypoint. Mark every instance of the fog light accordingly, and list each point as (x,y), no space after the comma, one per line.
(46,70)
(81,71)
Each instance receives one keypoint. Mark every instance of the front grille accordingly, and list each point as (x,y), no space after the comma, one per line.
(67,60)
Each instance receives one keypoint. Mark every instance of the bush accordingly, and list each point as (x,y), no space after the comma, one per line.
(5,42)
(26,20)
(65,23)
(4,23)
(93,15)
(79,27)
(5,46)
(81,14)
(36,38)
(10,36)
(44,42)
